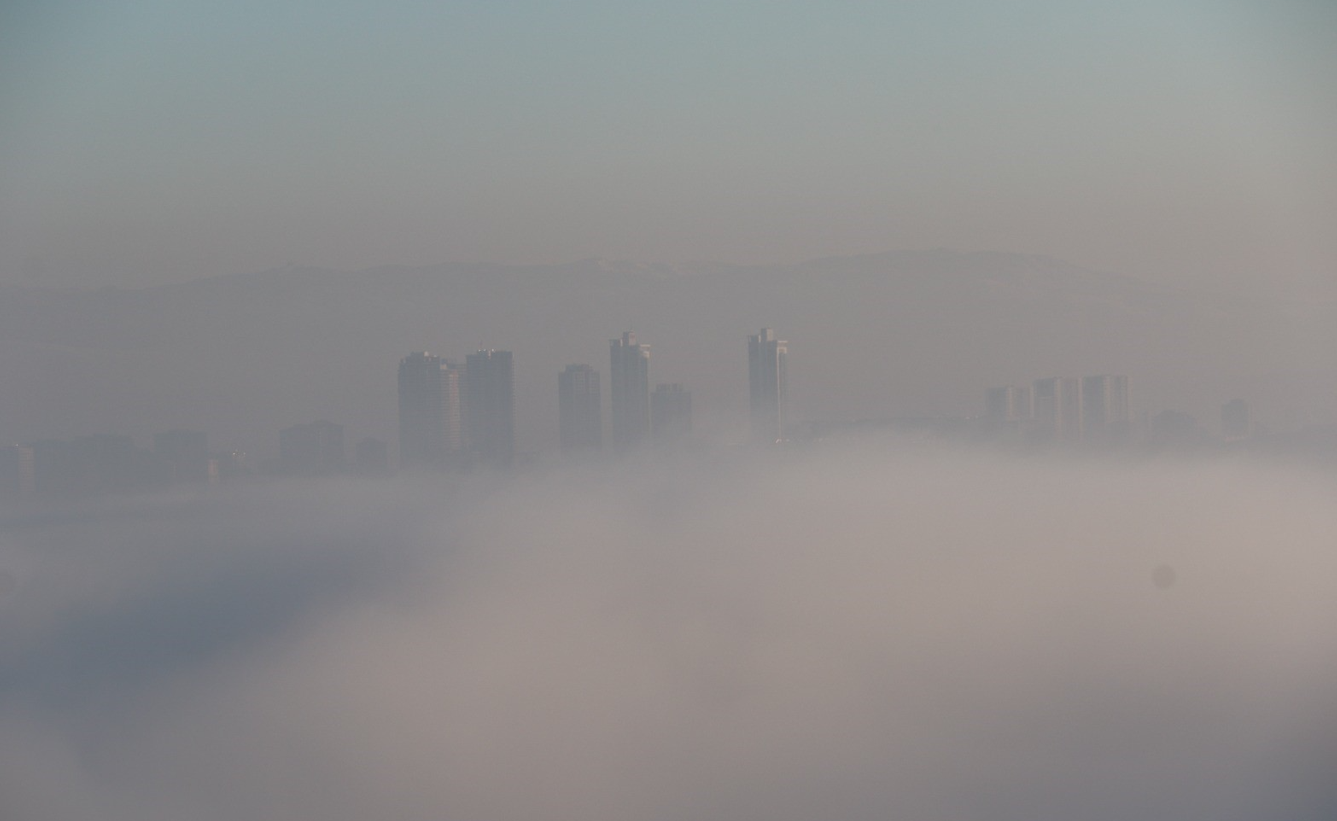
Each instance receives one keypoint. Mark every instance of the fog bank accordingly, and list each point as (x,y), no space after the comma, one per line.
(873,633)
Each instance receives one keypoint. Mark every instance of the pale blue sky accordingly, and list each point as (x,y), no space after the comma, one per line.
(146,141)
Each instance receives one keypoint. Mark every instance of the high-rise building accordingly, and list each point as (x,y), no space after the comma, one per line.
(579,408)
(1058,408)
(629,388)
(430,427)
(1008,406)
(670,413)
(489,403)
(1105,413)
(311,449)
(768,385)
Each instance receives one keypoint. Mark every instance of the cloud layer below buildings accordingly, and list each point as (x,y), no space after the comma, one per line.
(882,633)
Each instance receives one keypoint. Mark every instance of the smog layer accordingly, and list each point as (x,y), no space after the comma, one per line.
(872,632)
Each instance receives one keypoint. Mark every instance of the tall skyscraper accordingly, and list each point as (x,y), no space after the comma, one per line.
(1105,414)
(489,402)
(430,428)
(670,413)
(768,385)
(579,408)
(629,386)
(1058,408)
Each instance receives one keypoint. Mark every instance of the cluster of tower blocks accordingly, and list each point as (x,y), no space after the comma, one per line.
(461,415)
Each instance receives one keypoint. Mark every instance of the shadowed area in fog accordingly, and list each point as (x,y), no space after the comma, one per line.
(888,632)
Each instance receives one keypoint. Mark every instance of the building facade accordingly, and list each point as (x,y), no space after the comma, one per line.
(1058,408)
(1009,406)
(768,386)
(430,415)
(629,391)
(1105,412)
(489,403)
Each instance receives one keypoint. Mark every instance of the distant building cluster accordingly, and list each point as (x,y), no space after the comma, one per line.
(455,416)
(452,417)
(1062,409)
(458,416)
(89,465)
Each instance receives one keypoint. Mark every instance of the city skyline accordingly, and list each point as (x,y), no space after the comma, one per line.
(1060,410)
(397,417)
(948,323)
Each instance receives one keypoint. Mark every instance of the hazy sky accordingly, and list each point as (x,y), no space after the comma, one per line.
(146,141)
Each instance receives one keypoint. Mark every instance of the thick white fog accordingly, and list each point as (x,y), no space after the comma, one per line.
(877,632)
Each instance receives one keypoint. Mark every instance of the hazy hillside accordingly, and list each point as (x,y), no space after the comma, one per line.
(902,333)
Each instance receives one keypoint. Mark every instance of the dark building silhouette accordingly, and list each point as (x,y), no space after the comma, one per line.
(311,449)
(1058,408)
(768,386)
(430,413)
(629,391)
(489,403)
(1008,407)
(579,408)
(182,455)
(1105,411)
(670,413)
